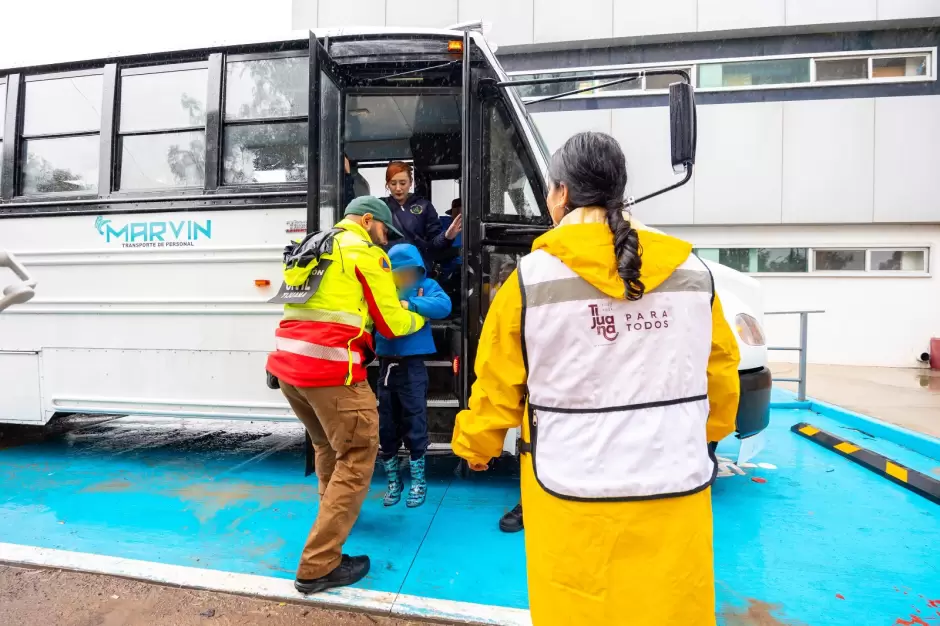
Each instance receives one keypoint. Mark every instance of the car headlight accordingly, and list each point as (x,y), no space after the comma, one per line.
(749,329)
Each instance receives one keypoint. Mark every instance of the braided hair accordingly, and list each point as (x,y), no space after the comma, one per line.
(594,170)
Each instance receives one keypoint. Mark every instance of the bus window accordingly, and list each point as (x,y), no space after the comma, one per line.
(509,189)
(265,120)
(331,188)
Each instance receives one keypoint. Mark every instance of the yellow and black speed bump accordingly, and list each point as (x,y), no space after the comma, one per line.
(913,480)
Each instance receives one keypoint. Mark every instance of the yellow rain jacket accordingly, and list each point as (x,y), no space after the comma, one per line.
(601,563)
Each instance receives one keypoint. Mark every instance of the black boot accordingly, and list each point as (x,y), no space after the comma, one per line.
(512,522)
(350,570)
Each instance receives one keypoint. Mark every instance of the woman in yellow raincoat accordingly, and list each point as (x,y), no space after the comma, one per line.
(609,347)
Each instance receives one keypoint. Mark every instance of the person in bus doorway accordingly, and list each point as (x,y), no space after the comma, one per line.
(450,260)
(355,184)
(609,347)
(403,376)
(416,217)
(323,346)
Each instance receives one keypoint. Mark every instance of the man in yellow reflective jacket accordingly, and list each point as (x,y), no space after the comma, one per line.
(323,346)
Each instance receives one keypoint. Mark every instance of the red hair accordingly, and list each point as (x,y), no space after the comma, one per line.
(397,167)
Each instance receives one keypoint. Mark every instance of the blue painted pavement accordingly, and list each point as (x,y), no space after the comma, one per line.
(822,541)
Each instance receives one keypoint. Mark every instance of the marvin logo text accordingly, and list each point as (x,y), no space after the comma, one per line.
(155,234)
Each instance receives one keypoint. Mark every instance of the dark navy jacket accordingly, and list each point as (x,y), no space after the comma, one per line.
(433,303)
(420,224)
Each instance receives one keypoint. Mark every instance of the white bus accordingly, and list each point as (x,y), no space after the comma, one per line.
(150,197)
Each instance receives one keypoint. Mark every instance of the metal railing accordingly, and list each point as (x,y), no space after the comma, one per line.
(804,324)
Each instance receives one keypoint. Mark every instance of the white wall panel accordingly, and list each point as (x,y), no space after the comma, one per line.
(858,327)
(304,14)
(511,21)
(907,154)
(828,160)
(905,9)
(421,13)
(830,11)
(644,135)
(738,164)
(642,17)
(345,13)
(730,14)
(567,20)
(556,128)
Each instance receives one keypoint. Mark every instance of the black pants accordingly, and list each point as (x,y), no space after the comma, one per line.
(403,409)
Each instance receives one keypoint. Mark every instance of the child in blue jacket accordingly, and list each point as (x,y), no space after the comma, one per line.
(403,377)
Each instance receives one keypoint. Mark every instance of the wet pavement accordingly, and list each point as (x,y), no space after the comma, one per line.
(802,536)
(906,397)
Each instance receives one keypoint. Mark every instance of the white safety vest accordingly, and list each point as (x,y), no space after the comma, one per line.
(617,390)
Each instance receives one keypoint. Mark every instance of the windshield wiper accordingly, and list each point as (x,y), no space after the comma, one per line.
(621,77)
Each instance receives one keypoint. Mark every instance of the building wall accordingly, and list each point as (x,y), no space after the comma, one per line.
(526,22)
(802,174)
(834,165)
(868,320)
(848,161)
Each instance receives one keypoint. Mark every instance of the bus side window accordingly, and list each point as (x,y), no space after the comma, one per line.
(500,267)
(509,193)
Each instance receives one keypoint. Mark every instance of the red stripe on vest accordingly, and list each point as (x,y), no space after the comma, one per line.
(306,371)
(377,319)
(324,333)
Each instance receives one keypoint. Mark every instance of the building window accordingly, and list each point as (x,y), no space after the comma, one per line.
(746,74)
(841,69)
(796,260)
(898,261)
(783,72)
(265,134)
(162,134)
(61,123)
(758,260)
(899,67)
(839,260)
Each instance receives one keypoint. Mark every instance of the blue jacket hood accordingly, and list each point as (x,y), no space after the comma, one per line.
(404,255)
(432,303)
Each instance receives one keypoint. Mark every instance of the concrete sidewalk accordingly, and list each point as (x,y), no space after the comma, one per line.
(62,598)
(904,397)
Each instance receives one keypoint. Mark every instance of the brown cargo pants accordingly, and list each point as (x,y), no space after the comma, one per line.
(343,423)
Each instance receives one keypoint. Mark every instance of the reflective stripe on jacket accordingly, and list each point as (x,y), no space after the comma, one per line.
(327,340)
(595,436)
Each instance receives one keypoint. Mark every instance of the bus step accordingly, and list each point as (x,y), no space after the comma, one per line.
(443,401)
(426,363)
(440,401)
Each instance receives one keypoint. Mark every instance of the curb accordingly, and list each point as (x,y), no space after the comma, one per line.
(282,589)
(912,480)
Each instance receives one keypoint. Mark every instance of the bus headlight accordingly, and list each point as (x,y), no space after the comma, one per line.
(749,329)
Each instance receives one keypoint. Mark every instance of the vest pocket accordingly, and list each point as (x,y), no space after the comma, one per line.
(621,454)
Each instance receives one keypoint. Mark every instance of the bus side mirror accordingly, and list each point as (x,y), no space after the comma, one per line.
(682,126)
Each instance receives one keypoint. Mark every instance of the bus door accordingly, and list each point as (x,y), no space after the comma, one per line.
(507,208)
(325,165)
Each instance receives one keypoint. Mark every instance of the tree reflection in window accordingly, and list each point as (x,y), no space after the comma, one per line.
(60,144)
(162,128)
(265,137)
